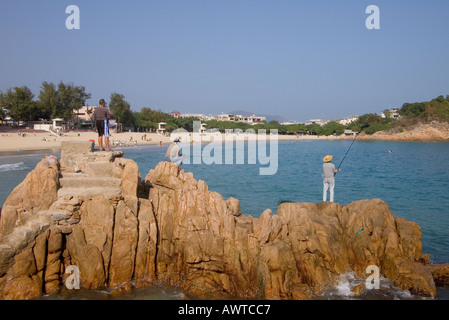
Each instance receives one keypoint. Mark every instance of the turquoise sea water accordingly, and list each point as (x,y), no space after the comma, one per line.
(413,179)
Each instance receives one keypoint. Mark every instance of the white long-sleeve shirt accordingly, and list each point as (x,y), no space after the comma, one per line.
(329,170)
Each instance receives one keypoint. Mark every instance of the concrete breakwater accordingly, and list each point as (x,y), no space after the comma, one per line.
(94,211)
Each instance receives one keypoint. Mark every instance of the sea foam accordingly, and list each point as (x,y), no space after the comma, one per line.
(12,167)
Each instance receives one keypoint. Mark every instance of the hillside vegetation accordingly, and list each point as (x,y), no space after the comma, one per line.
(411,115)
(60,101)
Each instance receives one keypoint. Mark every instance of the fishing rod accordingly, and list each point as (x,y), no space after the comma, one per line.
(349,149)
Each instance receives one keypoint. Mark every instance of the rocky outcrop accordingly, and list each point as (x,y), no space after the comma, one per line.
(122,231)
(37,192)
(434,131)
(440,273)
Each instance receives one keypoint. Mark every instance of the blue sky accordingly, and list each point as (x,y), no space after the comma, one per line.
(298,59)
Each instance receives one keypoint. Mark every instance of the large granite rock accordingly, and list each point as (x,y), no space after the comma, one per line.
(303,248)
(440,274)
(37,192)
(171,229)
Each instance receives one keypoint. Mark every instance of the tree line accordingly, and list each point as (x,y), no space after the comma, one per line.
(54,101)
(410,114)
(60,101)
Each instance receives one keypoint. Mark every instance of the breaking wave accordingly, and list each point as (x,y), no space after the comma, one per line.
(347,281)
(12,167)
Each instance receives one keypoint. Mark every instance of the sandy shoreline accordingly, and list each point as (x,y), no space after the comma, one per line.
(34,141)
(12,142)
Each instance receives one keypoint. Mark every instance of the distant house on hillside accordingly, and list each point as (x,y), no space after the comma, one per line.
(175,114)
(392,113)
(320,122)
(253,119)
(288,123)
(348,120)
(226,117)
(350,133)
(192,115)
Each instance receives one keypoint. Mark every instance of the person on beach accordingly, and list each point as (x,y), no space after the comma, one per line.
(102,116)
(174,154)
(329,172)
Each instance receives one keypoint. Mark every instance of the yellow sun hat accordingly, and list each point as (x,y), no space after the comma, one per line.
(328,158)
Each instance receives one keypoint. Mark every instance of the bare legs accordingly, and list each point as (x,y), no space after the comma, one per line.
(100,143)
(106,142)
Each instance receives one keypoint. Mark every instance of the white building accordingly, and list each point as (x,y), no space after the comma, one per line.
(253,119)
(392,113)
(320,122)
(226,117)
(193,115)
(287,123)
(348,120)
(161,128)
(350,133)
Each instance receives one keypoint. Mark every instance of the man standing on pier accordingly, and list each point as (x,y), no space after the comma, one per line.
(102,116)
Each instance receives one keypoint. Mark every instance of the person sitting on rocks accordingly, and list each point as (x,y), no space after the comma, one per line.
(174,154)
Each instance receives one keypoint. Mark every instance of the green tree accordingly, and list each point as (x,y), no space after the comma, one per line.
(438,109)
(48,102)
(149,118)
(412,109)
(18,101)
(371,123)
(121,109)
(185,123)
(128,118)
(295,128)
(155,116)
(354,126)
(2,109)
(60,101)
(332,127)
(435,110)
(314,129)
(71,98)
(139,121)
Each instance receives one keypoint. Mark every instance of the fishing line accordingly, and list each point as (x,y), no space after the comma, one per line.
(355,137)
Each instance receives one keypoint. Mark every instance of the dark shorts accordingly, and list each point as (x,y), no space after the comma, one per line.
(103,128)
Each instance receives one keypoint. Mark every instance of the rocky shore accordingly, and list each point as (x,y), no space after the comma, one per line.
(93,210)
(421,132)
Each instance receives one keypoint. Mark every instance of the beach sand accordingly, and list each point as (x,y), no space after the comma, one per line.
(40,140)
(12,141)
